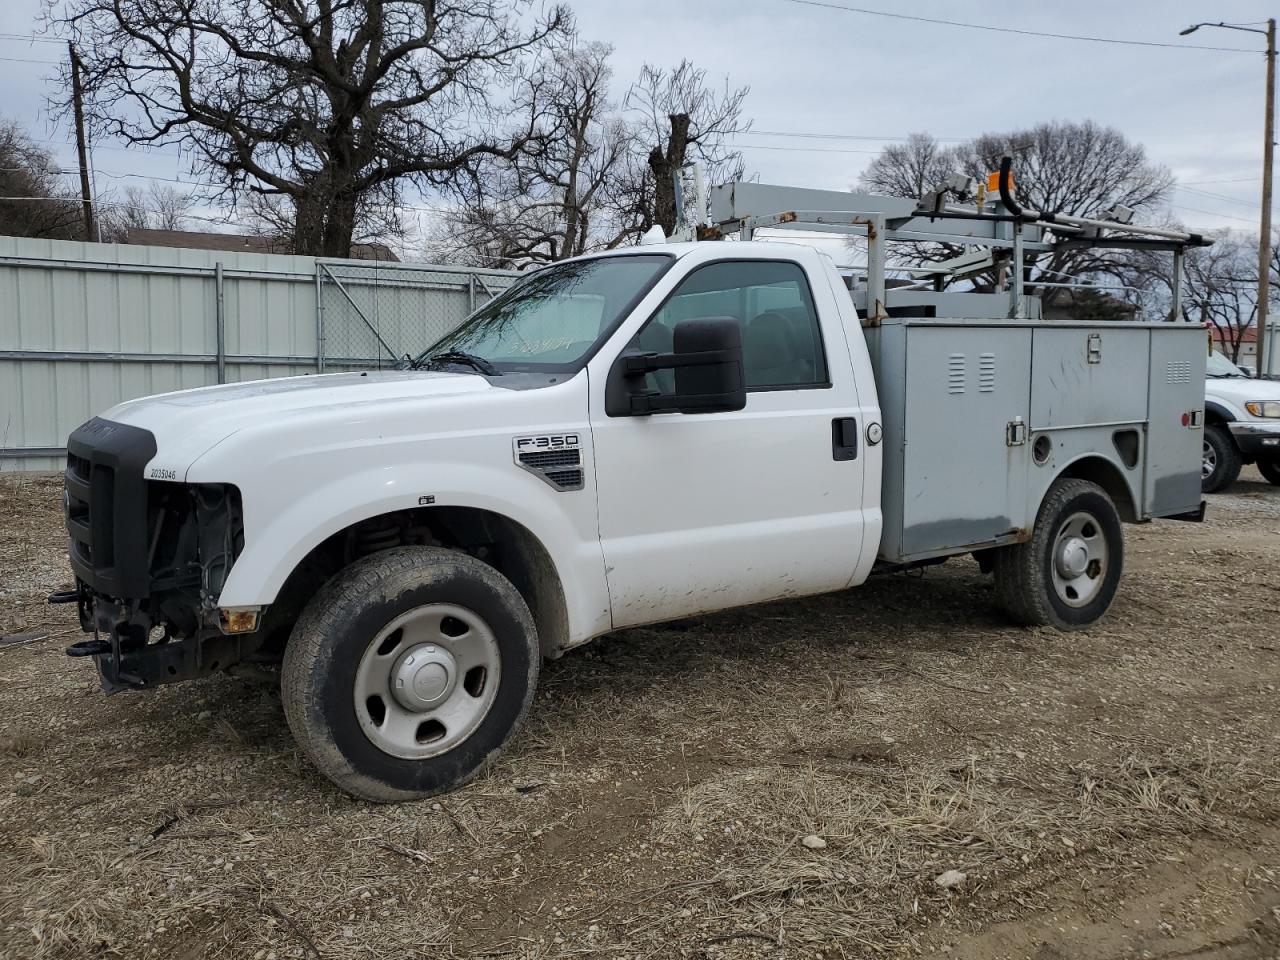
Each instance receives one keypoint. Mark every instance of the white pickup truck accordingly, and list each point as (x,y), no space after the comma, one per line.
(1242,424)
(621,439)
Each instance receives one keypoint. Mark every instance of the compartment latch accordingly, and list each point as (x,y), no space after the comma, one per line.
(1015,432)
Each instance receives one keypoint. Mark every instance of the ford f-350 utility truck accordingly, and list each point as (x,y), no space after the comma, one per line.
(622,439)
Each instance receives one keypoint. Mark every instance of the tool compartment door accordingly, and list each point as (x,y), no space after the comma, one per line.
(1088,375)
(963,483)
(1172,483)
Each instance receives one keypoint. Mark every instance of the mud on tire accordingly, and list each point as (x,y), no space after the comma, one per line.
(1077,527)
(332,645)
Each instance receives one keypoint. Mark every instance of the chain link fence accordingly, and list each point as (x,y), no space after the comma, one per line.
(371,315)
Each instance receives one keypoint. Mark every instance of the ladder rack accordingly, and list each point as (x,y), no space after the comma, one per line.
(745,208)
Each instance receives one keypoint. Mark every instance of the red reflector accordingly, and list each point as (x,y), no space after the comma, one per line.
(1186,419)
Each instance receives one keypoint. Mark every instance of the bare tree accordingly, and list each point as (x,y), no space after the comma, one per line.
(327,104)
(683,120)
(604,175)
(910,168)
(43,207)
(561,201)
(1221,289)
(1081,169)
(160,207)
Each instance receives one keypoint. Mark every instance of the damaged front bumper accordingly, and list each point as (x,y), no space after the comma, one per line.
(132,653)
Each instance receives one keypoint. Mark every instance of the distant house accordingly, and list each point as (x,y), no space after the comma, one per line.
(240,242)
(1248,345)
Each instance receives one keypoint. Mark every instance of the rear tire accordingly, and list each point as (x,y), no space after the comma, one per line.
(1271,470)
(1067,574)
(408,672)
(1221,463)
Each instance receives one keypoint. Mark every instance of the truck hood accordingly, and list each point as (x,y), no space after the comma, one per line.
(1240,390)
(189,423)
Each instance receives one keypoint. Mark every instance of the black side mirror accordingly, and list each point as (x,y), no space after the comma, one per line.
(707,360)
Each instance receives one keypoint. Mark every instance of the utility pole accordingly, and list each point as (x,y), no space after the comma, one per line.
(1268,150)
(1264,241)
(77,102)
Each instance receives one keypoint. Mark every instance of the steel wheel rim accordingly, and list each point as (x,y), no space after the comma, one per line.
(1078,564)
(426,681)
(1208,461)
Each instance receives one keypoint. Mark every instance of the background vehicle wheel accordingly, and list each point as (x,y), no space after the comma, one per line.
(1271,470)
(1221,463)
(408,671)
(1066,575)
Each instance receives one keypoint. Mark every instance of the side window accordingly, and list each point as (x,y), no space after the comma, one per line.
(781,342)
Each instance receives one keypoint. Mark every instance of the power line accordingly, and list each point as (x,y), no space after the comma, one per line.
(1210,213)
(840,136)
(1025,33)
(761,146)
(52,63)
(30,37)
(1216,196)
(1228,180)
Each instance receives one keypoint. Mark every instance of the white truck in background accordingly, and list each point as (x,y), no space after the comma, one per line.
(621,439)
(1242,424)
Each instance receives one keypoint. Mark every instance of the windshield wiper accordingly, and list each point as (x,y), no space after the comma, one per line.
(462,357)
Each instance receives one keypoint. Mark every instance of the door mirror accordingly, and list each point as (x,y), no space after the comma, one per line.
(707,361)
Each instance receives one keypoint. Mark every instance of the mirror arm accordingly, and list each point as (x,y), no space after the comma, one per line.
(638,364)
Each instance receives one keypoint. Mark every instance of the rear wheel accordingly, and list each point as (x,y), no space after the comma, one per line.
(1271,470)
(1067,574)
(408,672)
(1220,464)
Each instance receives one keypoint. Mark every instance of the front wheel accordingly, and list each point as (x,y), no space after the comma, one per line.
(408,672)
(1220,461)
(1271,470)
(1067,574)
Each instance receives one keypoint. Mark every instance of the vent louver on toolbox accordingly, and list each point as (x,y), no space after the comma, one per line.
(555,459)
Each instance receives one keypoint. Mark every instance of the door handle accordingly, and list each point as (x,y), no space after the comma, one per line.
(844,438)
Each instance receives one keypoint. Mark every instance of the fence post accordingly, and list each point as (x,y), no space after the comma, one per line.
(220,319)
(319,320)
(471,291)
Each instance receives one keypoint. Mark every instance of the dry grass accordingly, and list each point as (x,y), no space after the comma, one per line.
(656,804)
(891,830)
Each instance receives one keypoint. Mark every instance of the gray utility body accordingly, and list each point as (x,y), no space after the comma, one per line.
(981,416)
(984,404)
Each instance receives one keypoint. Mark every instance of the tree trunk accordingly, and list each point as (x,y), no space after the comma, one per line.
(663,166)
(308,225)
(339,225)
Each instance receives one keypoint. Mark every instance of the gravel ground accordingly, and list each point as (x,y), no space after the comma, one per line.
(892,771)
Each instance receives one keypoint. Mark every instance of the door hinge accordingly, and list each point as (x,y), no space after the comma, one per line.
(1094,349)
(1015,432)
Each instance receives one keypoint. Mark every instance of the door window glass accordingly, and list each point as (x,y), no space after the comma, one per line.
(781,342)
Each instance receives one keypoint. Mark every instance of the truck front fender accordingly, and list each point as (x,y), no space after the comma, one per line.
(281,531)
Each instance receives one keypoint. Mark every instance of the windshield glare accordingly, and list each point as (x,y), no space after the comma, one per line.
(1220,366)
(552,320)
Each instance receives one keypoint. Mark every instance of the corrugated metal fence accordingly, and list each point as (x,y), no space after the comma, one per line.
(84,326)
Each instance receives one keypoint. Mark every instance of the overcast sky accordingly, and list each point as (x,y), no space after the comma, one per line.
(860,80)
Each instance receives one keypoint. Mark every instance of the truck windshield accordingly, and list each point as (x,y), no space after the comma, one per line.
(552,320)
(1220,366)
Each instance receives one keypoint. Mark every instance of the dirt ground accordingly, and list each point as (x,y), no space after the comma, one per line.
(1109,794)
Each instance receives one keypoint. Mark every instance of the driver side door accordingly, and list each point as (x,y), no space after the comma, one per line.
(704,511)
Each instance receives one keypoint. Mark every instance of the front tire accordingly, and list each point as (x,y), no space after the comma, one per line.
(1220,463)
(408,672)
(1067,574)
(1271,470)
